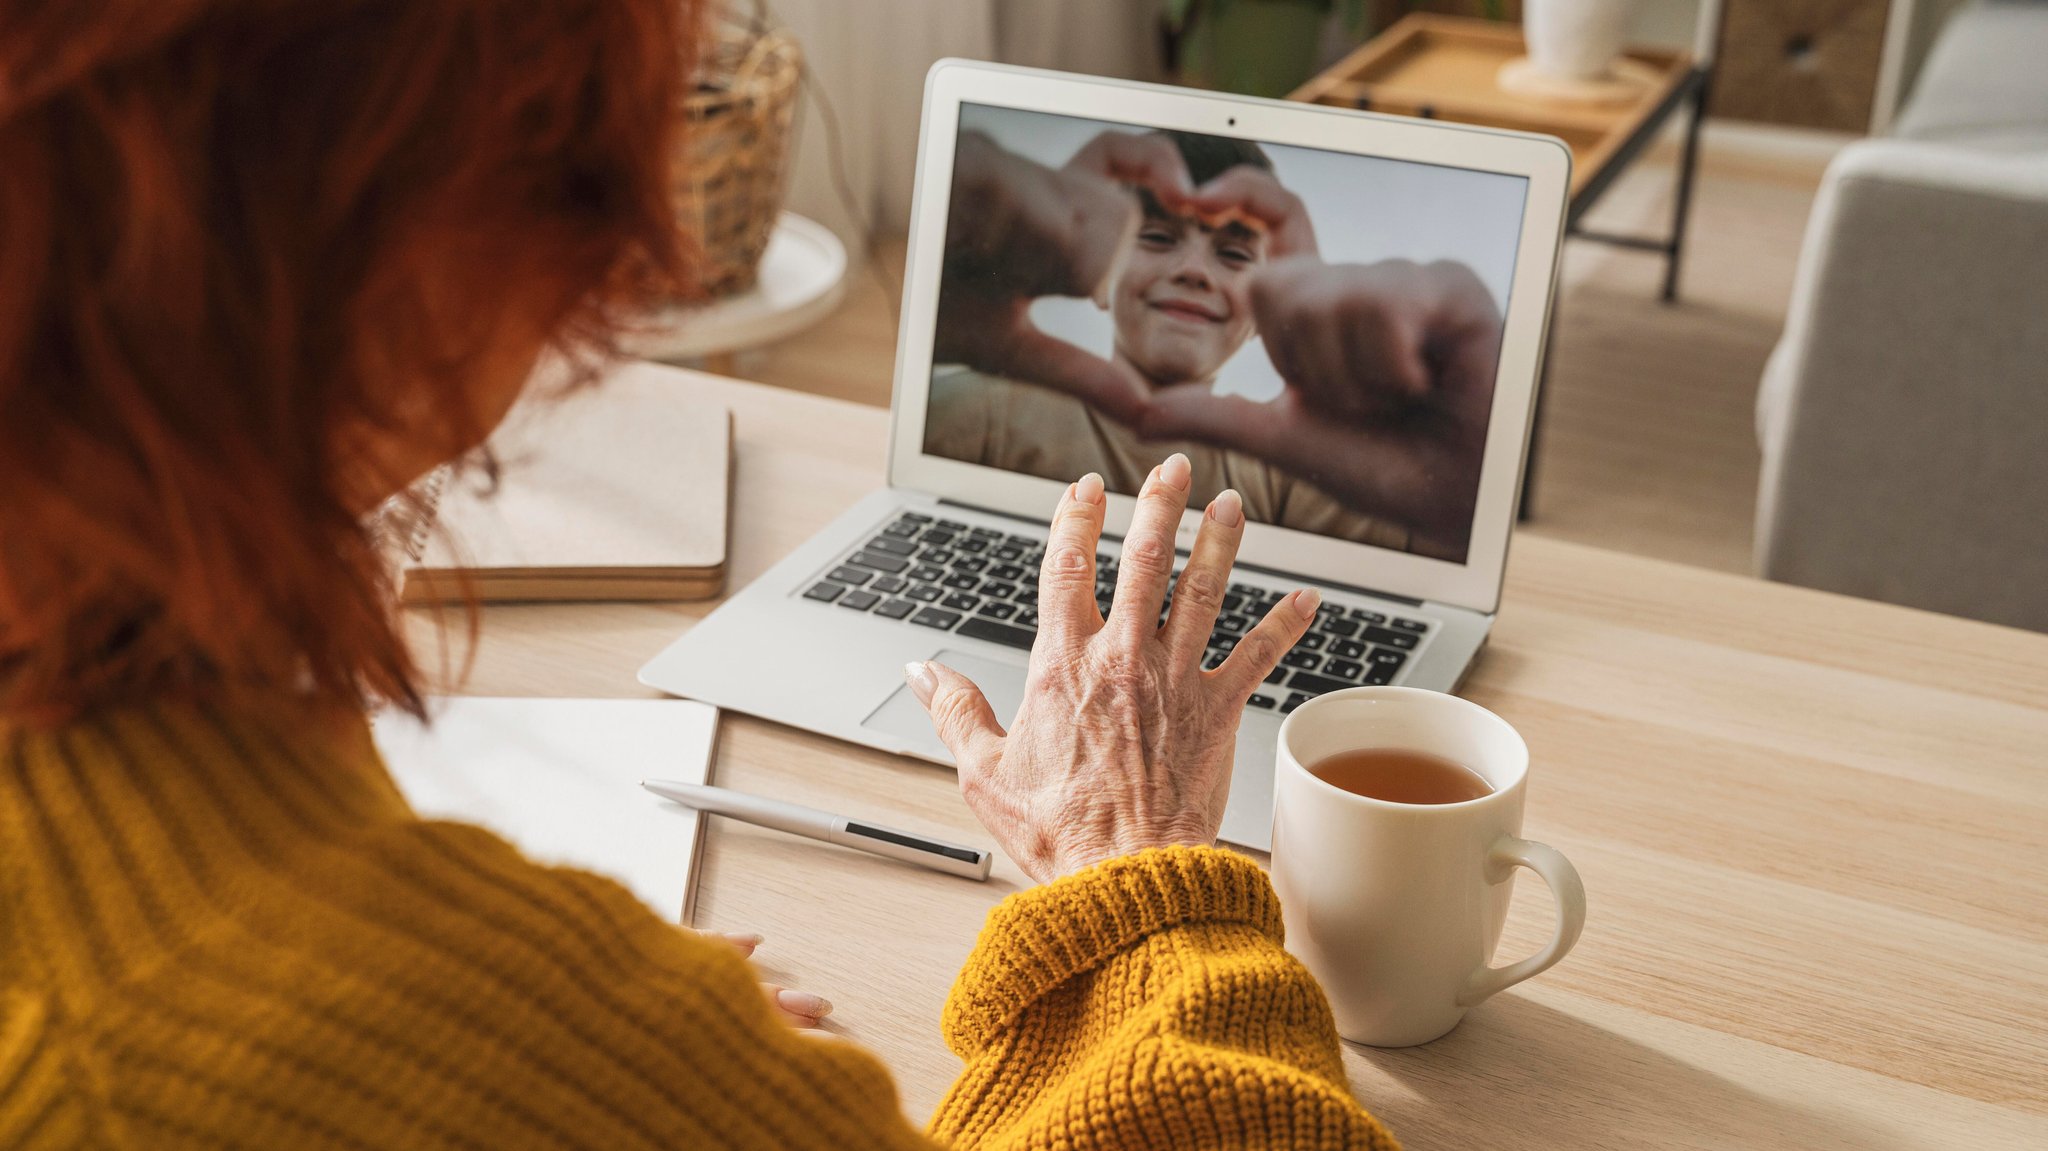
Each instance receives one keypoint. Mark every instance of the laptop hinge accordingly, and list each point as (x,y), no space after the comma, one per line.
(1339,585)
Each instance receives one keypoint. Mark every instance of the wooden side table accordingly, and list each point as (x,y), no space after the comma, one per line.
(1447,68)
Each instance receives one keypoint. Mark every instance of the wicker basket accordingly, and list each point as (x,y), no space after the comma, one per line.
(731,166)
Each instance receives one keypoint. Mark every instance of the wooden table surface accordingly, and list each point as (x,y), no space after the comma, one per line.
(1813,831)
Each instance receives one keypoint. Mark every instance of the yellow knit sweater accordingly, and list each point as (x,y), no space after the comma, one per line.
(230,932)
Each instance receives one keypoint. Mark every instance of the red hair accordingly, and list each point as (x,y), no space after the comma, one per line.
(236,236)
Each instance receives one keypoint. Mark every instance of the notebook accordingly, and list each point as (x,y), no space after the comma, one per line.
(619,491)
(560,779)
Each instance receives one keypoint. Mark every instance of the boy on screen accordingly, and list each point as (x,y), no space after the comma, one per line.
(1180,307)
(1193,247)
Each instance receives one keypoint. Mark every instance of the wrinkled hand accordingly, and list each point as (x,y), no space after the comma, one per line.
(1389,370)
(1017,230)
(1123,741)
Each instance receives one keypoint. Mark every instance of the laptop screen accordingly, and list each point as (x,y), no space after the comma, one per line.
(1318,330)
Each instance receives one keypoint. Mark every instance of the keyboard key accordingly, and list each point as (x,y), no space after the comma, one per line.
(879,561)
(1009,552)
(1214,659)
(1309,681)
(997,610)
(1225,644)
(1302,659)
(896,609)
(1386,638)
(961,601)
(1344,669)
(1380,673)
(894,547)
(1276,675)
(901,529)
(859,600)
(1006,571)
(1020,541)
(1364,616)
(1233,602)
(1265,701)
(960,581)
(846,574)
(979,628)
(988,533)
(939,556)
(889,585)
(935,538)
(1293,701)
(1027,595)
(1347,649)
(1232,623)
(952,525)
(1389,657)
(925,593)
(1414,625)
(1343,627)
(915,518)
(1027,618)
(1310,642)
(999,590)
(933,617)
(971,564)
(825,592)
(926,573)
(972,546)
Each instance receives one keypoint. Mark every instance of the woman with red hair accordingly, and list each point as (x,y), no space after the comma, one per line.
(263,263)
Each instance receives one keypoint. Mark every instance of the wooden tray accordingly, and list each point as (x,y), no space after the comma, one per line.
(1445,68)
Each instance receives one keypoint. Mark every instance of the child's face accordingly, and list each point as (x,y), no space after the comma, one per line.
(1179,302)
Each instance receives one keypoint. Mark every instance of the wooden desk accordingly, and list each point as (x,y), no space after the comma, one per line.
(1814,833)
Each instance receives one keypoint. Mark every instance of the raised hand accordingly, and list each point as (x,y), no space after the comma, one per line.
(1389,370)
(1017,230)
(1255,194)
(1123,741)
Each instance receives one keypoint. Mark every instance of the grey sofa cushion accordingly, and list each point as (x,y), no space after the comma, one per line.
(1986,82)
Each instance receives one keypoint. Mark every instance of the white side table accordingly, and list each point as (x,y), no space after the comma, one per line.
(802,278)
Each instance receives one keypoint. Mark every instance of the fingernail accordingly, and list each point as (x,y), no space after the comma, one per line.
(802,1003)
(1307,600)
(746,941)
(1088,489)
(922,682)
(1174,472)
(1227,508)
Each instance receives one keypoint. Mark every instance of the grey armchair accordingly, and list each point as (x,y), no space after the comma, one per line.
(1904,415)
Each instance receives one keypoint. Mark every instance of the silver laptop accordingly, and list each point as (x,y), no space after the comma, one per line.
(1339,315)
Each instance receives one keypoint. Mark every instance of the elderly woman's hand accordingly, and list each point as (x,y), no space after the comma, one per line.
(1123,741)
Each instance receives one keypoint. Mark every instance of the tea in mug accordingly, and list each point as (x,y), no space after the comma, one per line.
(1399,776)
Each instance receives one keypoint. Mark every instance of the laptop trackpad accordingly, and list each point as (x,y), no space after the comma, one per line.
(904,718)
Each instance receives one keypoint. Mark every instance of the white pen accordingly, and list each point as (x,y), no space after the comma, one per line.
(811,823)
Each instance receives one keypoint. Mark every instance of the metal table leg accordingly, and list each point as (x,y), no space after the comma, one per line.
(1688,162)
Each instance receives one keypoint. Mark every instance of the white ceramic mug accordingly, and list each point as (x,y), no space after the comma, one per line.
(1396,907)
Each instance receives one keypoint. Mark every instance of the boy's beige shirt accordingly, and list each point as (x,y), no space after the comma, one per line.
(1022,427)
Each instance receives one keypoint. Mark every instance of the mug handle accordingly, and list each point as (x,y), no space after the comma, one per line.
(1509,853)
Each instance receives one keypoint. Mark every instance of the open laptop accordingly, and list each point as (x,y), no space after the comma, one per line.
(942,563)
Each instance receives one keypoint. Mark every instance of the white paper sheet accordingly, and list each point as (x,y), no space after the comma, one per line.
(560,778)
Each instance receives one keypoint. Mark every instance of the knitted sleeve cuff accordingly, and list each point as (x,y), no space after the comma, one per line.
(1037,939)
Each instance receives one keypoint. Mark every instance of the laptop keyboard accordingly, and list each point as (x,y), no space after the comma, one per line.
(982,583)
